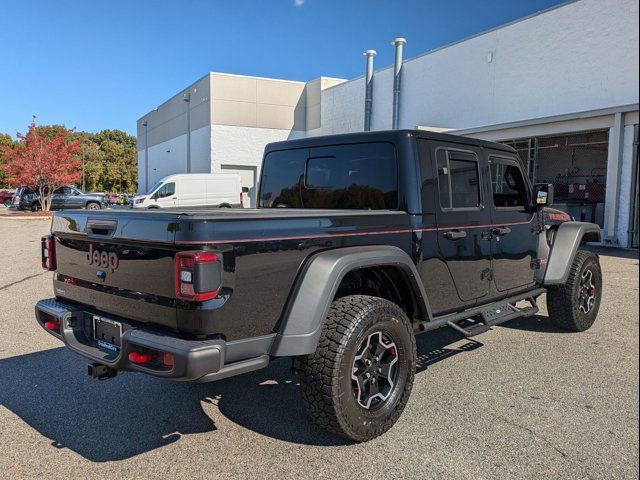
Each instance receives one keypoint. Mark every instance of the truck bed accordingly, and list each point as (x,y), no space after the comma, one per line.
(262,249)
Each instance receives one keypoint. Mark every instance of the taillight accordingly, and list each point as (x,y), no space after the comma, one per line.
(198,275)
(52,324)
(151,358)
(137,357)
(241,203)
(48,249)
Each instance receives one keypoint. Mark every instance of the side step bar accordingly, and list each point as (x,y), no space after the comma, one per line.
(489,315)
(497,316)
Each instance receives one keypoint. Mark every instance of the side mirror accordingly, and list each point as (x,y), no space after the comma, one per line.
(543,194)
(245,189)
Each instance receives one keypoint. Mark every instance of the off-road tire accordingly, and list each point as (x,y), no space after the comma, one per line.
(325,376)
(563,301)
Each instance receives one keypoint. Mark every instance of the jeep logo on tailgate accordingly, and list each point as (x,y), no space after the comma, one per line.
(102,259)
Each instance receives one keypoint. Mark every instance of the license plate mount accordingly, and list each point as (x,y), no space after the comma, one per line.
(107,333)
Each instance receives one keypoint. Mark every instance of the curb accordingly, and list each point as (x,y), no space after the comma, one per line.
(24,217)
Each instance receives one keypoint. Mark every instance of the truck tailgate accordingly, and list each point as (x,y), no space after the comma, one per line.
(119,262)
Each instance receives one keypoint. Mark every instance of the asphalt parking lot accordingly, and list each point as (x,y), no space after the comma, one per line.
(524,401)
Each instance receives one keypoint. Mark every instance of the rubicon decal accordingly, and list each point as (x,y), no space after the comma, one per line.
(102,259)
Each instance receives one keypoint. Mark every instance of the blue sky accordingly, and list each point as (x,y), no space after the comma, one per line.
(103,64)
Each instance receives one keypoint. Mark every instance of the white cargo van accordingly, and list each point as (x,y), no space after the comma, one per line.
(194,190)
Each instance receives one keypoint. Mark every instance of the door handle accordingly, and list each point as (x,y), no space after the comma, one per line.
(500,231)
(455,234)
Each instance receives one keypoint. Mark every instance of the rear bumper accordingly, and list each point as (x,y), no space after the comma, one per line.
(193,360)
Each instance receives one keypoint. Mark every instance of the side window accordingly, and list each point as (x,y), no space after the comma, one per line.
(167,190)
(458,179)
(358,176)
(508,184)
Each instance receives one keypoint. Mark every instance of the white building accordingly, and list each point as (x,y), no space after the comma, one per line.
(561,86)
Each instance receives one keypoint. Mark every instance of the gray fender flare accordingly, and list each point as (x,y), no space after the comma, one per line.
(566,242)
(309,304)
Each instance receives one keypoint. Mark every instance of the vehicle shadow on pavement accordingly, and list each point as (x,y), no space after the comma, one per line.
(535,323)
(133,413)
(101,421)
(436,346)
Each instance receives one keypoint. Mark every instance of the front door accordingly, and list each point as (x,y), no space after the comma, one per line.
(166,197)
(462,220)
(74,199)
(514,239)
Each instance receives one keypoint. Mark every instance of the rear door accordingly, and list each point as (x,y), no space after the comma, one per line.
(462,219)
(249,178)
(514,240)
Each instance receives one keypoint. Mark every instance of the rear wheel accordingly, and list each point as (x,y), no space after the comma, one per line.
(93,206)
(574,306)
(7,202)
(358,381)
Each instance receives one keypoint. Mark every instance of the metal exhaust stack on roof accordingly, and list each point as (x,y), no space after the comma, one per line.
(397,73)
(368,89)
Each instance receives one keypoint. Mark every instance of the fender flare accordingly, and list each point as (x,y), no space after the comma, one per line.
(566,242)
(303,320)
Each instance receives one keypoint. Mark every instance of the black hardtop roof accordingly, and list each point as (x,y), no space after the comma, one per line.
(382,136)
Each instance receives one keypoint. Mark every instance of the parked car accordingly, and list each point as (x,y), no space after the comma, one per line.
(113,198)
(63,198)
(358,243)
(18,196)
(194,190)
(6,197)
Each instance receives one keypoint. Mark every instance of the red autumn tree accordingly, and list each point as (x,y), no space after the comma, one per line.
(44,161)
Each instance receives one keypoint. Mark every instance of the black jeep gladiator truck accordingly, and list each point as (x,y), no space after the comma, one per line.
(358,242)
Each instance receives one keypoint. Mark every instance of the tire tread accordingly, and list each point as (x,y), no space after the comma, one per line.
(320,369)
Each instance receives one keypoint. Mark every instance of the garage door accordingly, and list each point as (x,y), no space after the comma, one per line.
(249,176)
(576,164)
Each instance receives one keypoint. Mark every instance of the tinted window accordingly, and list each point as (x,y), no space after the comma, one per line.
(282,176)
(359,176)
(458,179)
(167,190)
(509,187)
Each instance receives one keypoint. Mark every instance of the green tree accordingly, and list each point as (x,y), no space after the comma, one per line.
(110,159)
(7,143)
